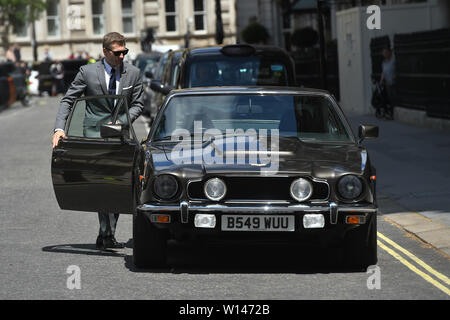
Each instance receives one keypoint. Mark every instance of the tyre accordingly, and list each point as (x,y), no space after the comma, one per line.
(149,243)
(360,246)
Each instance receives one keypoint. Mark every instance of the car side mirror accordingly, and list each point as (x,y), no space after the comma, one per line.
(157,86)
(367,132)
(112,131)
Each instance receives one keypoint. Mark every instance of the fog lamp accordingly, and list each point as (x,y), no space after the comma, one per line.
(313,221)
(205,221)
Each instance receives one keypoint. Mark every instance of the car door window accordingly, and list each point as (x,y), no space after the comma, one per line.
(90,113)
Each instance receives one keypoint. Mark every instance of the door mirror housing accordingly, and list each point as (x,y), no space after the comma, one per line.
(112,131)
(157,86)
(149,74)
(367,132)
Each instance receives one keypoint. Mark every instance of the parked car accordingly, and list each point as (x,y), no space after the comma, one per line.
(7,89)
(46,82)
(226,65)
(146,61)
(13,85)
(167,78)
(202,172)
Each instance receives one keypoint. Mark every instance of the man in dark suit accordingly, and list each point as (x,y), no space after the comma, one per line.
(107,76)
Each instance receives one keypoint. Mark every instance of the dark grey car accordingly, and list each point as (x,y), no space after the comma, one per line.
(227,163)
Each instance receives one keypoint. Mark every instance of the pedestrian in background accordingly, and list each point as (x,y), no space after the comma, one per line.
(47,55)
(16,51)
(57,71)
(109,75)
(388,78)
(10,56)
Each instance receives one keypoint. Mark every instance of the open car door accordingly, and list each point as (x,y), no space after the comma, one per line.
(93,168)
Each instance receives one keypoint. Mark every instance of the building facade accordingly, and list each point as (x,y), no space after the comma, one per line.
(74,26)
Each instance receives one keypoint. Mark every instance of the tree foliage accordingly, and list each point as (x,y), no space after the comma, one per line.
(305,37)
(16,13)
(255,33)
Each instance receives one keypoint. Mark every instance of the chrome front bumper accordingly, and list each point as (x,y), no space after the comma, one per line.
(245,208)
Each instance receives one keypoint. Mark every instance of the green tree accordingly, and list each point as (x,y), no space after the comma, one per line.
(16,13)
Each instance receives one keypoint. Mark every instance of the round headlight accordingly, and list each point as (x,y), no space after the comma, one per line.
(215,189)
(165,186)
(350,187)
(301,189)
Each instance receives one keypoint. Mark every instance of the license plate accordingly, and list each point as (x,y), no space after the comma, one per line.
(257,223)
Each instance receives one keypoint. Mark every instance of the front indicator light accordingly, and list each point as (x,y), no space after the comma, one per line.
(313,221)
(205,221)
(160,218)
(355,220)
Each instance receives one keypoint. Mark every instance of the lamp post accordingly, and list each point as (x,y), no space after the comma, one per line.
(322,57)
(219,24)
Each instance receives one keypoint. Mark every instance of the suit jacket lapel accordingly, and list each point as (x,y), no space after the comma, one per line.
(101,76)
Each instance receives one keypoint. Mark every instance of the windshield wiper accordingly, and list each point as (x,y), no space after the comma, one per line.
(169,138)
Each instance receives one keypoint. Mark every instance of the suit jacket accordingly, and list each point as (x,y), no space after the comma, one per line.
(90,81)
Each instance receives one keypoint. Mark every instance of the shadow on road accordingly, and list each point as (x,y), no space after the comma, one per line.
(195,258)
(86,249)
(248,258)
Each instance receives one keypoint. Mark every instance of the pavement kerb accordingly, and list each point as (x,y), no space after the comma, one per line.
(433,233)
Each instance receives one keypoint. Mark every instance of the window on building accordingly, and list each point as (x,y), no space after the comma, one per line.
(171,14)
(22,30)
(127,16)
(98,16)
(199,15)
(53,27)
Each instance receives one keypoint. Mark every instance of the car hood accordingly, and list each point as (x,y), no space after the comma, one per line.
(290,156)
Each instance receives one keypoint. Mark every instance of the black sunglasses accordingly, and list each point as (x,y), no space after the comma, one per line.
(117,53)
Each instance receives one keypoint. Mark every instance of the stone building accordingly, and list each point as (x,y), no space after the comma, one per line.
(73,26)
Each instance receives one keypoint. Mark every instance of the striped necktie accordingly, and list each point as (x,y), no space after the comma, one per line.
(112,82)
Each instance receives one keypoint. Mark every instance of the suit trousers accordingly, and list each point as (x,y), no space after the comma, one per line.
(108,222)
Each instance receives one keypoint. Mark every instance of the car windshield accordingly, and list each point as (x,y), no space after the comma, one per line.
(146,64)
(221,70)
(307,117)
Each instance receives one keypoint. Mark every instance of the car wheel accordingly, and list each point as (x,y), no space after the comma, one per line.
(360,246)
(149,243)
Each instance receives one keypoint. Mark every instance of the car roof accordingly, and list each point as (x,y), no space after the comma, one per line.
(146,55)
(249,90)
(259,49)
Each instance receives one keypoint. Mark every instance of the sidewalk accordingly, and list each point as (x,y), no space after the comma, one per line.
(413,177)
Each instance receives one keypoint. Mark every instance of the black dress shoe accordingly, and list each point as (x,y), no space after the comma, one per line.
(100,243)
(111,242)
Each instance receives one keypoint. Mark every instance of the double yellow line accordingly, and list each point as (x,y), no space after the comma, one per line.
(427,276)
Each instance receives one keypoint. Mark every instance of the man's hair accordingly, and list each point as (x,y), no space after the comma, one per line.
(113,37)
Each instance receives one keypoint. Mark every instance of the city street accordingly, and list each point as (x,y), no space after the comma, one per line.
(41,243)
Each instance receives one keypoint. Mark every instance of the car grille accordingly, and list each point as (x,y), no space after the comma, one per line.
(259,188)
